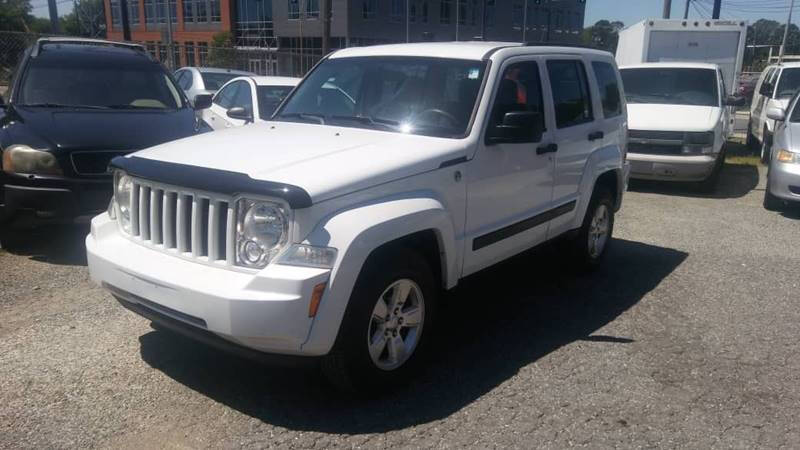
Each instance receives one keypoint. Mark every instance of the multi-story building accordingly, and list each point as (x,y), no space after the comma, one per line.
(285,36)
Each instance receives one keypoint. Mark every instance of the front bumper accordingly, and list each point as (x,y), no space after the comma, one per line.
(53,198)
(784,180)
(265,311)
(671,167)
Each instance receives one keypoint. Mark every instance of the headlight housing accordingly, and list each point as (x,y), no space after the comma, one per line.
(22,159)
(789,157)
(262,231)
(701,143)
(123,195)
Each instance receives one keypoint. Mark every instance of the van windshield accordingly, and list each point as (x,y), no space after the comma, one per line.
(416,95)
(671,86)
(788,84)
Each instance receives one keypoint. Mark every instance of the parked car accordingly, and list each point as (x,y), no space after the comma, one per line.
(679,121)
(775,87)
(205,80)
(783,176)
(246,100)
(390,173)
(74,104)
(747,86)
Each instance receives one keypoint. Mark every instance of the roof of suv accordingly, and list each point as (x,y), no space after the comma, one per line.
(672,65)
(471,50)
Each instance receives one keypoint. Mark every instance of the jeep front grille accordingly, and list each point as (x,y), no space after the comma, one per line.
(191,224)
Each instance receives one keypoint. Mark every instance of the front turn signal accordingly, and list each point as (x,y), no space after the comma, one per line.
(316,298)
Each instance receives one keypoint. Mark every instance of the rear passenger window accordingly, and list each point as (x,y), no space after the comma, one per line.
(571,98)
(609,88)
(520,89)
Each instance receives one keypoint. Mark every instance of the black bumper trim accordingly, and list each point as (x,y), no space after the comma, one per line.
(161,320)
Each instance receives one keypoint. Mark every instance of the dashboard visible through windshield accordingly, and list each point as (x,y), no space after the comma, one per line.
(671,86)
(416,95)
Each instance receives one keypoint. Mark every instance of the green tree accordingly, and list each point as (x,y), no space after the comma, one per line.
(86,19)
(222,51)
(604,34)
(15,15)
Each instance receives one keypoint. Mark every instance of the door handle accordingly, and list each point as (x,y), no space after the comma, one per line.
(549,148)
(596,135)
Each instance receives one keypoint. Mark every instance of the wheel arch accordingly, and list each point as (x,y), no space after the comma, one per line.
(604,167)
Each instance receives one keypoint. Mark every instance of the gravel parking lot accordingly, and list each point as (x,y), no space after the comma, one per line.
(688,336)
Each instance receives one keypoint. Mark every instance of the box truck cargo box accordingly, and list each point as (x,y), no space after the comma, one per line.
(720,42)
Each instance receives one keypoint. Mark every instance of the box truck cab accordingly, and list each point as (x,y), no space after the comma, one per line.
(678,120)
(775,87)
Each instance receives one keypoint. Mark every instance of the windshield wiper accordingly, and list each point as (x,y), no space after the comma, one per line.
(372,121)
(60,105)
(318,118)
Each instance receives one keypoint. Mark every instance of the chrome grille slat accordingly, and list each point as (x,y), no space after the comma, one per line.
(193,225)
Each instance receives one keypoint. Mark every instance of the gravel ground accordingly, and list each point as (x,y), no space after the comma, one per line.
(687,337)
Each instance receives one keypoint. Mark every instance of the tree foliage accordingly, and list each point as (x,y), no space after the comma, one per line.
(222,51)
(604,34)
(769,32)
(15,15)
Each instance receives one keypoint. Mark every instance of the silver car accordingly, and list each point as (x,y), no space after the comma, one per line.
(783,177)
(204,80)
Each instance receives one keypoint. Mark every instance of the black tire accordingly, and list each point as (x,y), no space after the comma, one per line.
(771,203)
(583,254)
(349,365)
(766,146)
(752,142)
(709,185)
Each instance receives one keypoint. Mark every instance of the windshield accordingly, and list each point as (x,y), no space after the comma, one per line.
(269,97)
(213,81)
(790,81)
(83,84)
(426,96)
(671,86)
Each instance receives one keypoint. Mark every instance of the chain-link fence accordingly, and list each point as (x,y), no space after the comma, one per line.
(261,61)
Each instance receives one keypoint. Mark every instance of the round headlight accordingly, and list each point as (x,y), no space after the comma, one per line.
(123,193)
(262,232)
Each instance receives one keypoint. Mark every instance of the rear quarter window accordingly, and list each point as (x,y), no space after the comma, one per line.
(608,85)
(571,98)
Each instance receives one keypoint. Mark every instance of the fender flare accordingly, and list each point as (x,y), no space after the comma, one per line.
(356,232)
(602,160)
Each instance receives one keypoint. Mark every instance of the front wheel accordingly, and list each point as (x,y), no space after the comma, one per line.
(594,236)
(766,147)
(387,325)
(771,202)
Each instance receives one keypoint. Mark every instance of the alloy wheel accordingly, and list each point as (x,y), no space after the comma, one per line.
(598,231)
(395,326)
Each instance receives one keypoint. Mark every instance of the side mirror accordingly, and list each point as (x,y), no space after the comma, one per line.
(776,114)
(238,112)
(202,101)
(517,127)
(735,101)
(766,89)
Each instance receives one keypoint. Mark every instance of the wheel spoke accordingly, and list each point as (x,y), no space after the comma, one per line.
(381,311)
(400,294)
(397,349)
(412,317)
(377,344)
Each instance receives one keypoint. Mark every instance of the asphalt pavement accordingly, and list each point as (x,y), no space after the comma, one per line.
(686,337)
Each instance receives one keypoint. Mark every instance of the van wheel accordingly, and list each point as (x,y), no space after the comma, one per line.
(751,143)
(594,237)
(387,326)
(771,203)
(766,147)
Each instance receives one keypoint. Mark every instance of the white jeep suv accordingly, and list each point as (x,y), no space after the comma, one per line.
(389,174)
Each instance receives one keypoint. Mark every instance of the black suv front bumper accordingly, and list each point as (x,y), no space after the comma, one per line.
(52,199)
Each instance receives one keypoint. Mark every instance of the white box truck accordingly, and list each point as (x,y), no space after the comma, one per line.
(720,42)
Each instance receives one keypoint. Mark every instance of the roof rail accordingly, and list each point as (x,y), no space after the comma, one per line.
(85,41)
(559,44)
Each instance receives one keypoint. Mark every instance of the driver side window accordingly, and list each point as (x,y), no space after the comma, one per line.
(520,89)
(224,98)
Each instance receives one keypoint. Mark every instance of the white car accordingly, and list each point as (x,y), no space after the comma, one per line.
(204,80)
(680,119)
(246,100)
(330,231)
(774,88)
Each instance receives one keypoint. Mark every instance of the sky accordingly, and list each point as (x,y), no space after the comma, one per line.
(626,11)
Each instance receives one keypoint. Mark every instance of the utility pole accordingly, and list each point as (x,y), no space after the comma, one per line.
(686,11)
(786,34)
(525,22)
(717,8)
(408,13)
(126,24)
(51,5)
(483,20)
(458,15)
(326,27)
(667,8)
(171,52)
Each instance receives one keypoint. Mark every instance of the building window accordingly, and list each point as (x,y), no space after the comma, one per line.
(462,12)
(155,11)
(412,12)
(489,13)
(150,11)
(188,11)
(215,11)
(424,16)
(293,11)
(202,53)
(476,10)
(444,11)
(115,13)
(162,52)
(151,49)
(398,10)
(312,9)
(369,8)
(133,12)
(190,54)
(517,14)
(196,11)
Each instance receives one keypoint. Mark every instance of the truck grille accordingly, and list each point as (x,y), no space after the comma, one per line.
(93,163)
(656,135)
(654,149)
(652,142)
(195,225)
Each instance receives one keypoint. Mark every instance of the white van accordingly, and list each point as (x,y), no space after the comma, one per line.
(775,87)
(678,122)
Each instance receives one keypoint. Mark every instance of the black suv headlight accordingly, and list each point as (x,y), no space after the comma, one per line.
(22,159)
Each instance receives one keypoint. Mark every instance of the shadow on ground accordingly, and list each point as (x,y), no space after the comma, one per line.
(53,244)
(498,322)
(736,180)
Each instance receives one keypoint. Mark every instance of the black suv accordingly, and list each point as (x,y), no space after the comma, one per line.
(73,105)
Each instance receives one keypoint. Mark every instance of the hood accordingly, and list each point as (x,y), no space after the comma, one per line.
(653,116)
(325,161)
(68,129)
